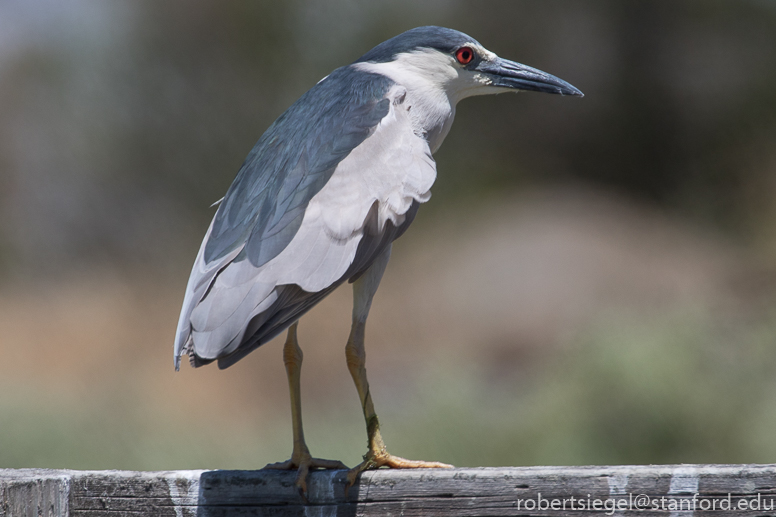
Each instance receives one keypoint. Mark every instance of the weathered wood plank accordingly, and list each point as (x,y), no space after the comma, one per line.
(33,492)
(675,490)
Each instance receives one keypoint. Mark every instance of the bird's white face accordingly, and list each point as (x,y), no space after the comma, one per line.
(471,81)
(436,81)
(468,69)
(431,69)
(434,74)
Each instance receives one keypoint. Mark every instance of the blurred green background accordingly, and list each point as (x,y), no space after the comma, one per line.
(592,283)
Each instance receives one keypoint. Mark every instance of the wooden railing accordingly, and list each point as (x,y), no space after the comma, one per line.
(675,490)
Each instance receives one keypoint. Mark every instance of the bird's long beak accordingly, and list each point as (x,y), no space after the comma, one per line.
(508,74)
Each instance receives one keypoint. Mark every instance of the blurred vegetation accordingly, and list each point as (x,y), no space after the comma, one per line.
(121,122)
(116,137)
(668,390)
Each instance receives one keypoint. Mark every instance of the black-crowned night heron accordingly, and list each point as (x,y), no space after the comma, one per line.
(321,197)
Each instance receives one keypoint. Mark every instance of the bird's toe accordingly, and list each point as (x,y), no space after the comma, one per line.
(319,463)
(384,459)
(281,465)
(303,464)
(395,462)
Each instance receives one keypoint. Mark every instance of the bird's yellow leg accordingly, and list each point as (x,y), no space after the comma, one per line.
(300,457)
(377,455)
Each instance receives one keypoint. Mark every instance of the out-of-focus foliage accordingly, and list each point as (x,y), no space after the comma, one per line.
(591,283)
(668,390)
(120,122)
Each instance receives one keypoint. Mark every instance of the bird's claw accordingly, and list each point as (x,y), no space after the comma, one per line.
(303,464)
(374,460)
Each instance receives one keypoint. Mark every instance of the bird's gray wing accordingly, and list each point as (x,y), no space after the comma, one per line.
(370,190)
(292,302)
(290,163)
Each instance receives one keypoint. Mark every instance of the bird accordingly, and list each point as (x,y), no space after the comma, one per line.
(319,201)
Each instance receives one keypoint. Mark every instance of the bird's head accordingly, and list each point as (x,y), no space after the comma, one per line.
(448,60)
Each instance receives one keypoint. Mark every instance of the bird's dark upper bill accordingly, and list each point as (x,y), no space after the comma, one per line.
(509,74)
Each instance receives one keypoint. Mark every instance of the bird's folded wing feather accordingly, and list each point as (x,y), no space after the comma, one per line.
(329,189)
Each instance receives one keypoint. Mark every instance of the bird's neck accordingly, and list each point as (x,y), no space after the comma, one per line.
(431,108)
(432,112)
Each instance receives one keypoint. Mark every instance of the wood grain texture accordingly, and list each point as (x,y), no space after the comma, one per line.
(34,492)
(670,490)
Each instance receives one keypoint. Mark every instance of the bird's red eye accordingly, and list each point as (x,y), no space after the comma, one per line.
(464,55)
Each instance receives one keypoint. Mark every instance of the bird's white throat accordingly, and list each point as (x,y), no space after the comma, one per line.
(434,84)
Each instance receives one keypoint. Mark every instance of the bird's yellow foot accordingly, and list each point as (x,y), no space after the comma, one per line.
(374,459)
(303,462)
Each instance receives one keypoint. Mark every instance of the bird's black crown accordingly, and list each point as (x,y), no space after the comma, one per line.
(439,38)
